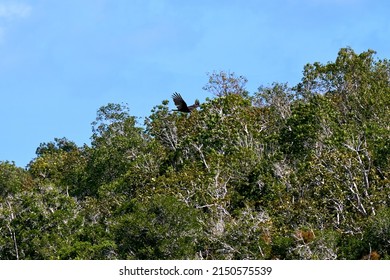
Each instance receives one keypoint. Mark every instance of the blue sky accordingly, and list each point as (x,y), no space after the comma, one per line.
(61,60)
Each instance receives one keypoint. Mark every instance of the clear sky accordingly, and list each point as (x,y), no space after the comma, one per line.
(61,60)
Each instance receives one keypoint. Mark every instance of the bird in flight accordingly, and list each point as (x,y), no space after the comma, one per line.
(182,105)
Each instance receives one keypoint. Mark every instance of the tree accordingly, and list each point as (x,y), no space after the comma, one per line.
(61,163)
(159,228)
(222,84)
(116,142)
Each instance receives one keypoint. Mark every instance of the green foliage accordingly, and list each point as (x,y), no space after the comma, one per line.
(377,234)
(62,163)
(300,131)
(37,223)
(281,246)
(160,228)
(115,143)
(13,179)
(285,173)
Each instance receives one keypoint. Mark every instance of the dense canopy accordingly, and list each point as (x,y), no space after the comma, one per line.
(287,172)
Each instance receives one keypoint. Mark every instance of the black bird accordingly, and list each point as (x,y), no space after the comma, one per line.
(182,105)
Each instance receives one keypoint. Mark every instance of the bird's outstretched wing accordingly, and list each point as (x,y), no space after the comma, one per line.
(180,103)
